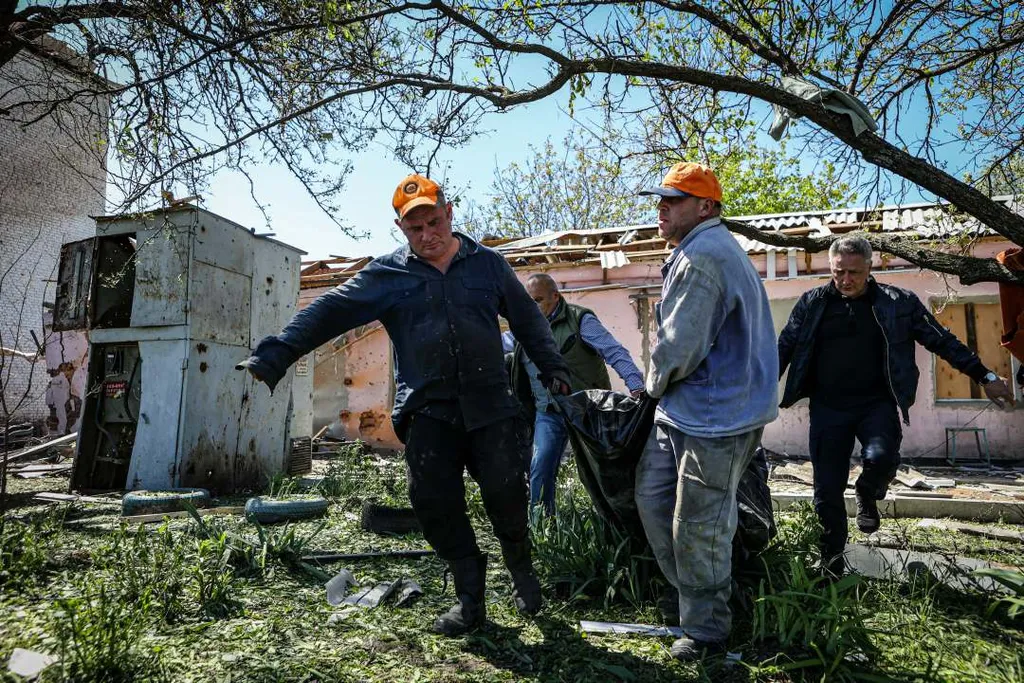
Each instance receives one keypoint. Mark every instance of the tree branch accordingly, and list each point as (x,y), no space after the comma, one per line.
(971,270)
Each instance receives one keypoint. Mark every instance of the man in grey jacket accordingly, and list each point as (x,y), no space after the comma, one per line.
(715,370)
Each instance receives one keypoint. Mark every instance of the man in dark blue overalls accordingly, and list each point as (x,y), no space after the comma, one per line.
(439,298)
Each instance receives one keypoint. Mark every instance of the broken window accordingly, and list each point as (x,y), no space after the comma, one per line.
(979,326)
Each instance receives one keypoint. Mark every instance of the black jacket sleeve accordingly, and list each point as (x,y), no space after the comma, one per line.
(791,333)
(530,327)
(357,302)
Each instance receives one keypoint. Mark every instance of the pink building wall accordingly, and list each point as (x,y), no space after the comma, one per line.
(353,384)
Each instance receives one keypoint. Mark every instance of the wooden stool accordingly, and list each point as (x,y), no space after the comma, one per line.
(979,435)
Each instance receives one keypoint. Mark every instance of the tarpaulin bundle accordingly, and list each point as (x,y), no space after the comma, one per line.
(608,431)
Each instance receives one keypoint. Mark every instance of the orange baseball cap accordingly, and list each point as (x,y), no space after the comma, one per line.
(687,179)
(416,190)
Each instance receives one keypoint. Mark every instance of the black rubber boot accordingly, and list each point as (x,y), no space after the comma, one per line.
(868,519)
(525,586)
(470,612)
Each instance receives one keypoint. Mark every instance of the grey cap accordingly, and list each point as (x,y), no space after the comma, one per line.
(663,191)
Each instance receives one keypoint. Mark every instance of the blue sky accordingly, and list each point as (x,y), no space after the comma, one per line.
(297,220)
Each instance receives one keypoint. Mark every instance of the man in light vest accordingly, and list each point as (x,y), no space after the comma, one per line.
(586,345)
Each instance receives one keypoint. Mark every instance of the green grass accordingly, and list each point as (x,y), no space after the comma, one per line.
(224,600)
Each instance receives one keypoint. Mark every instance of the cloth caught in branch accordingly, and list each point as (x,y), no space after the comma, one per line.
(1011,302)
(834,100)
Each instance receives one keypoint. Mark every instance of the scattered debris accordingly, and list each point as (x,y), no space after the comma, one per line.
(394,554)
(925,494)
(337,587)
(371,597)
(36,471)
(161,516)
(802,472)
(28,663)
(630,629)
(408,592)
(342,614)
(53,497)
(887,563)
(41,447)
(974,530)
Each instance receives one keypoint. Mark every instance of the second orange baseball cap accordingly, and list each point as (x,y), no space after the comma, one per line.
(688,179)
(416,190)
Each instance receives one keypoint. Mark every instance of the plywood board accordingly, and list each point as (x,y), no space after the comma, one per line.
(988,325)
(950,382)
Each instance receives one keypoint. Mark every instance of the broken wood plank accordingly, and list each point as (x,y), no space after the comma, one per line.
(161,516)
(40,471)
(52,497)
(68,438)
(42,467)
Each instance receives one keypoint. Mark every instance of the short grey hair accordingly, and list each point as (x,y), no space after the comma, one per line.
(851,245)
(546,280)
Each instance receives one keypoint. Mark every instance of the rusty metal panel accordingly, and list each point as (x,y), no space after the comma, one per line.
(210,426)
(154,463)
(161,275)
(275,288)
(72,308)
(220,309)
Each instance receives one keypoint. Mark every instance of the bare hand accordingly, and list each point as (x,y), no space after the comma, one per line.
(637,393)
(1000,393)
(558,387)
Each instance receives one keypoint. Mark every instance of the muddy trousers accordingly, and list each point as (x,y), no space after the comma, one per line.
(686,494)
(877,428)
(437,453)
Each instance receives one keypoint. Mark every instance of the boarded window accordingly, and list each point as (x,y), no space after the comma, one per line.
(979,326)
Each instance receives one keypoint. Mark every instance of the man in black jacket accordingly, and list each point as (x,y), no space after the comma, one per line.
(439,298)
(850,347)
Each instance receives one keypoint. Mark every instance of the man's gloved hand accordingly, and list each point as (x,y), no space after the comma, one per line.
(250,364)
(999,392)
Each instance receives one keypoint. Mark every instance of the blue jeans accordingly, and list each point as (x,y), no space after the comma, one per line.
(549,437)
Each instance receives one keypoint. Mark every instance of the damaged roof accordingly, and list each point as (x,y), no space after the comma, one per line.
(614,247)
(618,246)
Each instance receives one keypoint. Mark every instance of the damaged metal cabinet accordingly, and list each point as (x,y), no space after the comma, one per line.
(173,299)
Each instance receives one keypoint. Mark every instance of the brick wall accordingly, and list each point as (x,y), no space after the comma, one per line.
(52,179)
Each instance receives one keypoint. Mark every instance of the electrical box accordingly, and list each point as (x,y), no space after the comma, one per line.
(173,300)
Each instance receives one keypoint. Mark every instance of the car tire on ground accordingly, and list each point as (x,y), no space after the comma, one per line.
(382,519)
(166,500)
(272,510)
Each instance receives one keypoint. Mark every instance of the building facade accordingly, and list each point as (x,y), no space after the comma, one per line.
(52,179)
(616,272)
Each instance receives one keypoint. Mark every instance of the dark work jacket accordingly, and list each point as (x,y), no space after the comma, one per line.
(444,328)
(904,320)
